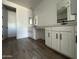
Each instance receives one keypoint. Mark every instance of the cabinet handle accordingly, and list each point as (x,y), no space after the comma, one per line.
(56,36)
(48,34)
(60,36)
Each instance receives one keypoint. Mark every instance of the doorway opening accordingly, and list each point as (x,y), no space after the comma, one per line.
(9,22)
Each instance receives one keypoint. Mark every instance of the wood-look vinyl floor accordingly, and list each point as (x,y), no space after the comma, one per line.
(28,49)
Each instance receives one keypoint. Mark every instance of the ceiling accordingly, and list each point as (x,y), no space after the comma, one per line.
(27,3)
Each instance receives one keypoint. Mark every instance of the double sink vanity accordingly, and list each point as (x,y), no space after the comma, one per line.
(62,39)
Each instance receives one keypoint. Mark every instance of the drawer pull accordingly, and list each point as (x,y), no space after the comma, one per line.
(60,36)
(56,36)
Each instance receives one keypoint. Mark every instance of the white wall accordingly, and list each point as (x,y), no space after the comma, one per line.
(22,22)
(46,12)
(11,23)
(22,15)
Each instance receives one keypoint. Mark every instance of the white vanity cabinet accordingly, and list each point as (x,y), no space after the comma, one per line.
(62,39)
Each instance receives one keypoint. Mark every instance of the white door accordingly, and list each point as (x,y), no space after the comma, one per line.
(11,23)
(48,41)
(55,41)
(67,43)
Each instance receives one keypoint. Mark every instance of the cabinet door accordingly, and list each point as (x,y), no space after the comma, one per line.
(48,38)
(55,41)
(67,43)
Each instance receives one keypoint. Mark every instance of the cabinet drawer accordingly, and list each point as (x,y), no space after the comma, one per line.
(64,28)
